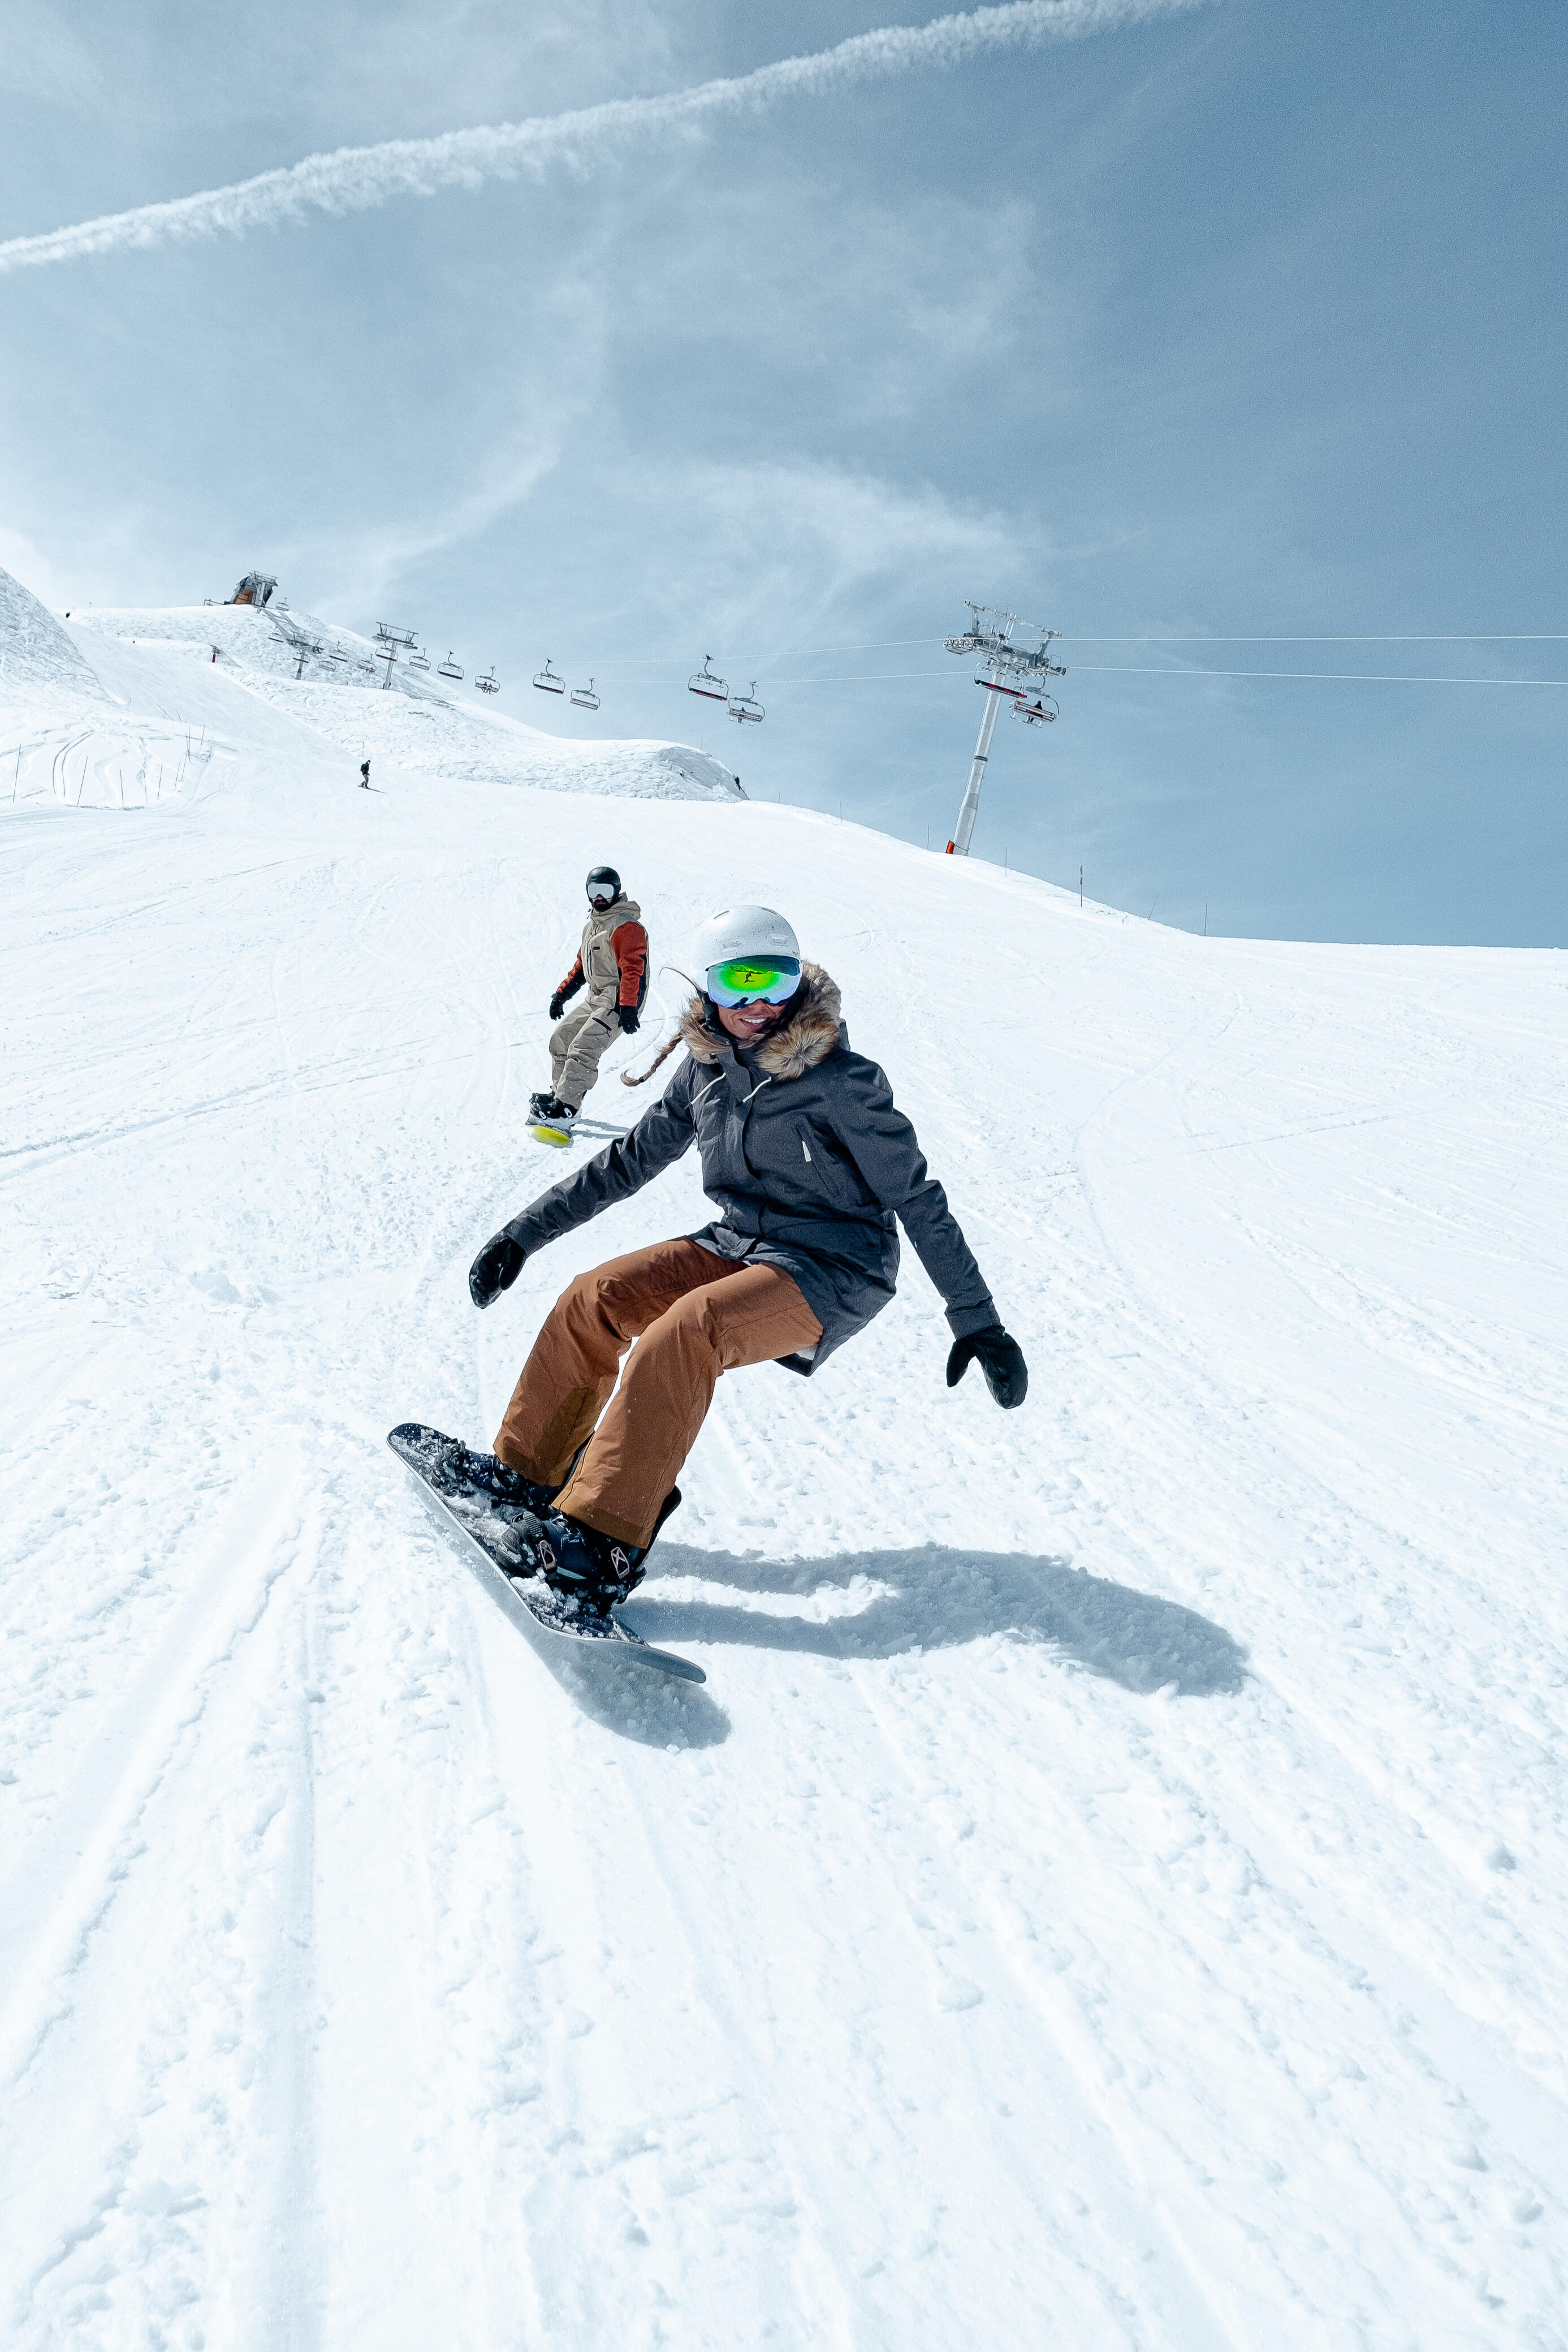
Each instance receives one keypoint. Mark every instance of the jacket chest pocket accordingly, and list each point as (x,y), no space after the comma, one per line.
(716,1125)
(820,1168)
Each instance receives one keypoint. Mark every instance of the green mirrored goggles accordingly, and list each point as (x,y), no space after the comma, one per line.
(773,979)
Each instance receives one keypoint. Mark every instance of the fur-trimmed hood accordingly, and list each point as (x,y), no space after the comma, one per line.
(796,1045)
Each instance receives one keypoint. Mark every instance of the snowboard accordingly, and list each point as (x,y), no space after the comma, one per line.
(543,1132)
(485,1534)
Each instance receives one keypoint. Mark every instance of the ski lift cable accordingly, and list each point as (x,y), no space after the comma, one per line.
(1166,669)
(1326,676)
(1458,637)
(610,664)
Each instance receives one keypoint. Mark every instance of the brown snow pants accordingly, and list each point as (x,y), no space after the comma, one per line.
(693,1317)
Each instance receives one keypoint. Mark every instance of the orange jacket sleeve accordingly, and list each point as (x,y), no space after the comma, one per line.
(631,946)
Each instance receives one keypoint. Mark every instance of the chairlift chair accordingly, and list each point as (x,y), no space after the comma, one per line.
(419,661)
(548,680)
(337,655)
(449,668)
(1004,685)
(1043,706)
(584,697)
(488,682)
(368,666)
(746,706)
(707,684)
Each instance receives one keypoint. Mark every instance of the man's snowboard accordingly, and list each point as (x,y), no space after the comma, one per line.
(543,1130)
(485,1531)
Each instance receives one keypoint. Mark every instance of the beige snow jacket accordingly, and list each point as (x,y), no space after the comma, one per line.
(613,959)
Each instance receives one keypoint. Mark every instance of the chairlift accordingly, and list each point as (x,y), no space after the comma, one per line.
(419,661)
(706,683)
(548,680)
(746,706)
(449,668)
(584,697)
(368,666)
(337,655)
(1003,684)
(1043,706)
(489,683)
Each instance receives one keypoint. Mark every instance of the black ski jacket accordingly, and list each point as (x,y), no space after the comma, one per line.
(808,1158)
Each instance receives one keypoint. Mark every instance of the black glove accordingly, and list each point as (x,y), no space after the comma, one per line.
(495,1269)
(628,1017)
(1001,1361)
(556,1005)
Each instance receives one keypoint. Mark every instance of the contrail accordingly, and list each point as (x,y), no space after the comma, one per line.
(356,179)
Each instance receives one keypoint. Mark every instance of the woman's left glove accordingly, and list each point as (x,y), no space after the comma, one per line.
(629,1018)
(495,1269)
(1001,1361)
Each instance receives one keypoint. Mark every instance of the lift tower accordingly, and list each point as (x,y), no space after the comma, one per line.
(389,643)
(1006,670)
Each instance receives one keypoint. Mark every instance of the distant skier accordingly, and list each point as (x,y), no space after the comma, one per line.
(365,775)
(808,1162)
(613,963)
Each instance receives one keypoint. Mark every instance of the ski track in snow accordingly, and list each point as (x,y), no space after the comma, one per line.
(1110,1890)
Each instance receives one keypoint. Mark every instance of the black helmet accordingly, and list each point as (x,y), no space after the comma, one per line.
(602,879)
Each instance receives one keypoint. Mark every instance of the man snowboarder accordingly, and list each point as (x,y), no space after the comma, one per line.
(808,1162)
(613,963)
(365,774)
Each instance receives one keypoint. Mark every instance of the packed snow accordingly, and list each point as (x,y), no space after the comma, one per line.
(1110,1891)
(208,665)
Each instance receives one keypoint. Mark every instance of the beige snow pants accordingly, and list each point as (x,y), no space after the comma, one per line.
(576,1045)
(694,1316)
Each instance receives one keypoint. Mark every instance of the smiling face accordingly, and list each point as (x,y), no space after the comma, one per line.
(748,1022)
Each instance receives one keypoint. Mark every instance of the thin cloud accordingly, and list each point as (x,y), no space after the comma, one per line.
(357,179)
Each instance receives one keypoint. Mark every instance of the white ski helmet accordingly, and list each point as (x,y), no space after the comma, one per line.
(749,931)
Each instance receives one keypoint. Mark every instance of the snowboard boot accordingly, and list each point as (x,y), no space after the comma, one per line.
(582,1565)
(551,1119)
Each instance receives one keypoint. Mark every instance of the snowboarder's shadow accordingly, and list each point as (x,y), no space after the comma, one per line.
(935,1597)
(653,1709)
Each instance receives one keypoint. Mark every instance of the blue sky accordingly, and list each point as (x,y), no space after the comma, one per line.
(1245,323)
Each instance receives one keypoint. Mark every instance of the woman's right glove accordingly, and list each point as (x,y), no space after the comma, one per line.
(1001,1361)
(495,1269)
(556,1005)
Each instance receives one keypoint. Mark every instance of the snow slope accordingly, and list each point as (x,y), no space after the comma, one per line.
(36,651)
(110,709)
(414,719)
(1110,1891)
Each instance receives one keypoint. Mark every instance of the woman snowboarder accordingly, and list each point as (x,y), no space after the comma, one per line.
(808,1162)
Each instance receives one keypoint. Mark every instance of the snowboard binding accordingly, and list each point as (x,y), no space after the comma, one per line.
(580,1563)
